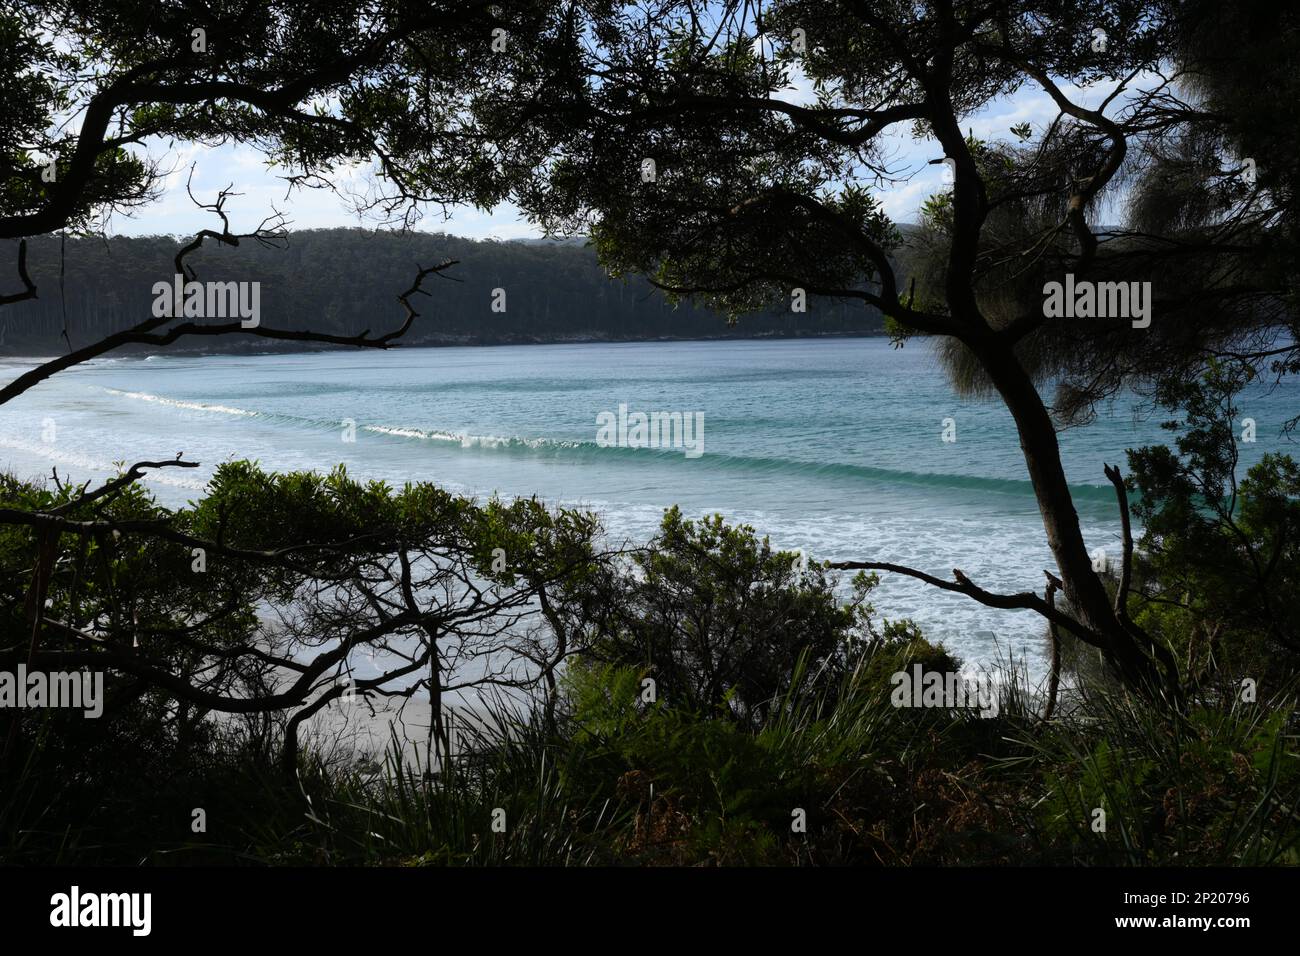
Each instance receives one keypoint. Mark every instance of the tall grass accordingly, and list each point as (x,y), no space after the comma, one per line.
(611,781)
(1216,785)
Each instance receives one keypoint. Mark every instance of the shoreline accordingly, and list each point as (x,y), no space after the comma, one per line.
(258,346)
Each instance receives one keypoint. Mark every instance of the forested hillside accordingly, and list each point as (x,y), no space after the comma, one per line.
(347,280)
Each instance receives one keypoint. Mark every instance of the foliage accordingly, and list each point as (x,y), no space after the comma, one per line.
(817,768)
(719,619)
(341,281)
(1220,555)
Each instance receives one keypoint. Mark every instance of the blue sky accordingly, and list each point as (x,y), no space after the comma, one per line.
(261,187)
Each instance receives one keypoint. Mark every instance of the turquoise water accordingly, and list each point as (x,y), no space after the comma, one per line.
(832,446)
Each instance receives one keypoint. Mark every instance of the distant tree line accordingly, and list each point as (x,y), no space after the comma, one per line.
(346,280)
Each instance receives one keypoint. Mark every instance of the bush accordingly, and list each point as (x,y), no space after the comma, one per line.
(719,619)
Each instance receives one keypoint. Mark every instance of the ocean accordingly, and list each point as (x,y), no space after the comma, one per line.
(832,446)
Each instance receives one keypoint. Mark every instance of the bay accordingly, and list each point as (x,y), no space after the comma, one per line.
(831,446)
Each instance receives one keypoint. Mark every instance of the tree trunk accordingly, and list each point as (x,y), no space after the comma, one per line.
(289,750)
(1083,588)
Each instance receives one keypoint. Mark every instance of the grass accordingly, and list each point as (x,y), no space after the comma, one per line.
(834,775)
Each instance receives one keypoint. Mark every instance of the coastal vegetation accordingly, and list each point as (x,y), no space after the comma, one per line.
(555,292)
(697,698)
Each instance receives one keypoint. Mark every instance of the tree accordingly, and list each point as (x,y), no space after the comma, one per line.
(1221,565)
(719,620)
(346,81)
(88,87)
(261,598)
(691,161)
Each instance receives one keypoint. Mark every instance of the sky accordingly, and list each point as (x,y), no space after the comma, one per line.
(260,187)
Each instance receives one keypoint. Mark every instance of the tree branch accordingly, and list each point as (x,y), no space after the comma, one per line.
(1025,600)
(30,290)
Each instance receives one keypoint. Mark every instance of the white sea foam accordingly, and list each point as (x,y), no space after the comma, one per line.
(400,432)
(469,441)
(177,403)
